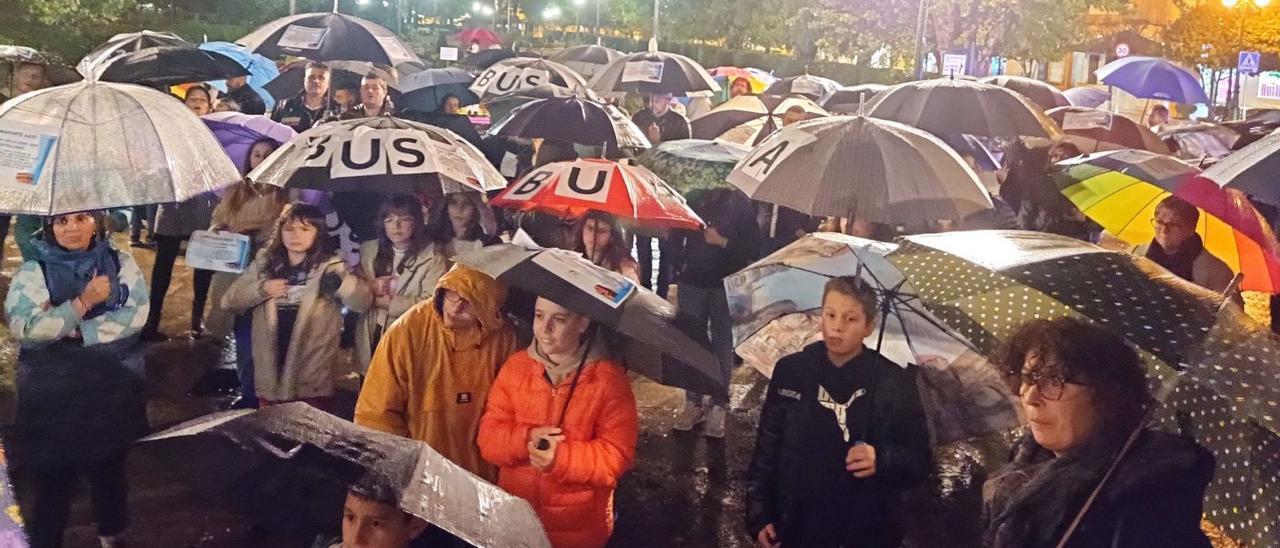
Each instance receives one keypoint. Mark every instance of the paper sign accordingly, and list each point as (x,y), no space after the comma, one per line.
(1086,120)
(501,80)
(610,288)
(25,151)
(770,154)
(1269,85)
(448,54)
(395,50)
(367,152)
(806,86)
(222,251)
(586,181)
(642,71)
(298,37)
(953,64)
(531,184)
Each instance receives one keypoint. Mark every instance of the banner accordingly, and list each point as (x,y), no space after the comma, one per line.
(1086,120)
(642,71)
(298,37)
(25,151)
(222,251)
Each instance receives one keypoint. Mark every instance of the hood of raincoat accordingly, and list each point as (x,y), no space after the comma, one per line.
(485,294)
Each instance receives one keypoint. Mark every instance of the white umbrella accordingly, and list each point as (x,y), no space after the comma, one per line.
(511,76)
(99,145)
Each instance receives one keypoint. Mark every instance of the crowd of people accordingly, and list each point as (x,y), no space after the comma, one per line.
(541,405)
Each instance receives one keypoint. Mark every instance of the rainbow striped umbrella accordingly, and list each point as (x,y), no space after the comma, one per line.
(1120,190)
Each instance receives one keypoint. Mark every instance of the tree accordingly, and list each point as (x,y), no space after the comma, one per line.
(1027,29)
(1209,35)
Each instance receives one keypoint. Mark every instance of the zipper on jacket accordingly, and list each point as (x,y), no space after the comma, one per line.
(551,410)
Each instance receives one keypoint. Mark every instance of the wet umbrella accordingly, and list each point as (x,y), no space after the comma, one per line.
(261,70)
(238,132)
(849,100)
(1251,170)
(654,72)
(126,43)
(1088,96)
(1093,130)
(691,164)
(501,107)
(284,453)
(513,75)
(860,167)
(1038,92)
(484,59)
(572,119)
(816,88)
(747,119)
(758,79)
(482,36)
(586,60)
(425,90)
(101,145)
(328,37)
(958,106)
(289,83)
(381,155)
(163,66)
(1199,141)
(57,72)
(627,191)
(776,304)
(1153,78)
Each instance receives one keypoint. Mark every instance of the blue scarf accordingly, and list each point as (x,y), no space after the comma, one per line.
(66,273)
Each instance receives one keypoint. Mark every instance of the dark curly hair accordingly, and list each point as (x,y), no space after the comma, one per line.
(1085,353)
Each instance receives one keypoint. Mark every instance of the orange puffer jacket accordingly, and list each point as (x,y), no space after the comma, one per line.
(574,498)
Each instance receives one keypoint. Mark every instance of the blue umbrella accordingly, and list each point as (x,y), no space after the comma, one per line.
(1154,78)
(261,70)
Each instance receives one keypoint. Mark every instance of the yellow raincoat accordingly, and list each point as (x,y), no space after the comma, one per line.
(429,383)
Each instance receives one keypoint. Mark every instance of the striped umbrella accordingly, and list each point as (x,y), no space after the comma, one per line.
(1120,190)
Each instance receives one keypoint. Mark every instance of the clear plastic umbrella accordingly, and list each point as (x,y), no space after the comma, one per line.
(99,145)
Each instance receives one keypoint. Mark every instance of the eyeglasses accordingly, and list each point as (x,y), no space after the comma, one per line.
(453,298)
(1159,224)
(1050,386)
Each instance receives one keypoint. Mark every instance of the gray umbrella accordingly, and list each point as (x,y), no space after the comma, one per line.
(586,59)
(850,99)
(98,145)
(121,44)
(860,167)
(1251,169)
(959,106)
(655,345)
(654,72)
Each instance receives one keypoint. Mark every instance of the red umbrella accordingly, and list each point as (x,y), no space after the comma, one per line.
(1095,130)
(484,37)
(571,189)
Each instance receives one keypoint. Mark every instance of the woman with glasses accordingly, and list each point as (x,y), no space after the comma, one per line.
(1084,394)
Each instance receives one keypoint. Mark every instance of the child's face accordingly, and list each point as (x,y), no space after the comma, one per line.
(844,323)
(298,236)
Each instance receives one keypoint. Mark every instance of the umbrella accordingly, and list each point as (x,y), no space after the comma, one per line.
(261,70)
(125,43)
(514,75)
(484,59)
(984,284)
(691,164)
(816,88)
(328,37)
(1153,78)
(1199,141)
(500,107)
(425,90)
(586,60)
(56,71)
(1251,170)
(1120,191)
(344,74)
(572,119)
(657,348)
(571,189)
(759,79)
(776,303)
(484,37)
(1087,96)
(947,105)
(324,455)
(860,167)
(849,100)
(100,145)
(654,72)
(1036,91)
(238,132)
(164,66)
(379,154)
(748,118)
(1093,130)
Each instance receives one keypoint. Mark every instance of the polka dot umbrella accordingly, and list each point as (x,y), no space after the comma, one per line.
(1214,366)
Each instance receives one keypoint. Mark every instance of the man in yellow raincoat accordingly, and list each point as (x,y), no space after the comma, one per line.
(433,368)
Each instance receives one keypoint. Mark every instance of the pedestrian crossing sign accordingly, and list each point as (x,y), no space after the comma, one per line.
(1249,61)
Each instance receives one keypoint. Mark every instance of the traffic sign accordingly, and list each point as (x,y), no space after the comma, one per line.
(1249,61)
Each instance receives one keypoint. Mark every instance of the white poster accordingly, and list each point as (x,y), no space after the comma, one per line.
(806,86)
(25,151)
(302,38)
(1086,120)
(953,64)
(360,155)
(766,157)
(588,181)
(1269,85)
(642,71)
(448,53)
(610,288)
(501,80)
(222,251)
(395,50)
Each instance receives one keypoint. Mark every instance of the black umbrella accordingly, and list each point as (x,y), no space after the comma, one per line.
(328,37)
(572,119)
(656,347)
(514,75)
(746,119)
(958,106)
(849,100)
(425,90)
(1251,170)
(484,59)
(343,74)
(816,88)
(502,106)
(126,43)
(654,72)
(164,66)
(57,72)
(586,59)
(300,462)
(1040,93)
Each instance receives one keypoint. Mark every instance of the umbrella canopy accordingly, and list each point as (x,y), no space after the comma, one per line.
(513,75)
(57,72)
(815,88)
(481,36)
(261,70)
(485,58)
(425,90)
(958,106)
(776,304)
(657,348)
(860,167)
(759,79)
(654,72)
(1087,96)
(1153,78)
(328,37)
(379,154)
(343,74)
(238,132)
(334,455)
(502,106)
(1036,91)
(1120,191)
(1093,130)
(571,189)
(850,99)
(1251,170)
(691,164)
(586,60)
(125,43)
(99,145)
(1199,141)
(572,119)
(164,66)
(748,118)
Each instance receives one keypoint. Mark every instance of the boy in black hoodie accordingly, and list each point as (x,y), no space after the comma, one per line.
(841,432)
